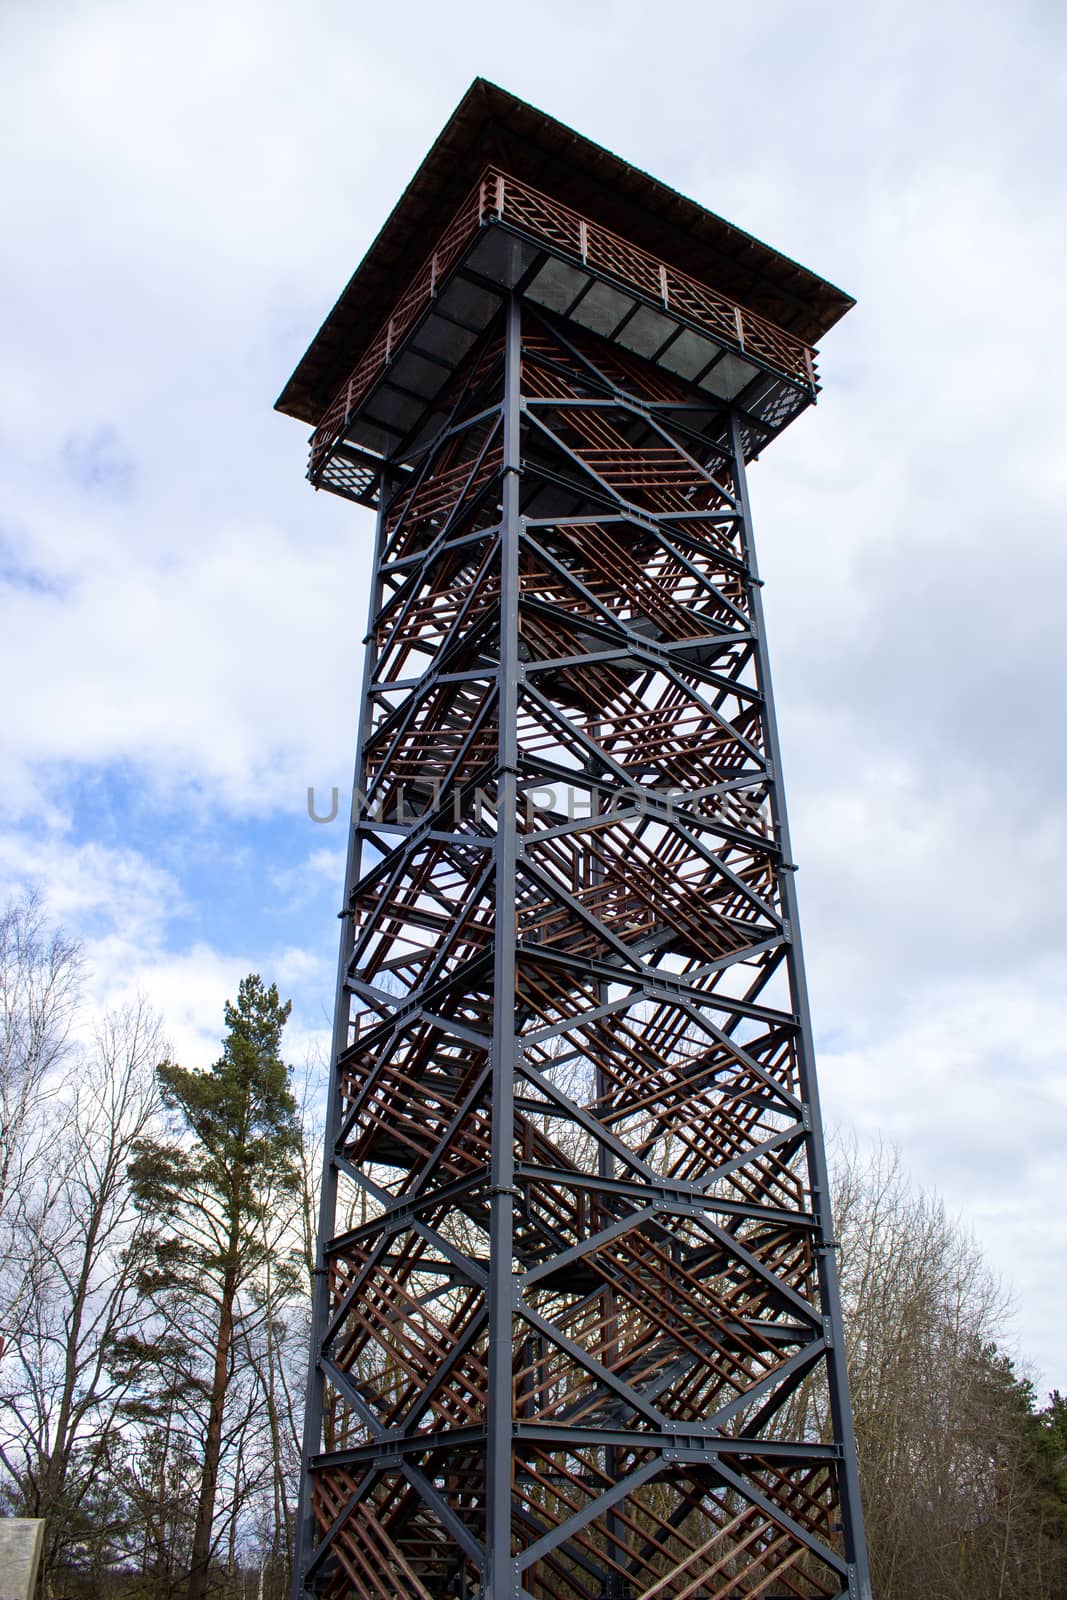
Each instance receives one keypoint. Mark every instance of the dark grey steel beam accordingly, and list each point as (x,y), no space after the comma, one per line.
(840,1399)
(305,1539)
(499,1567)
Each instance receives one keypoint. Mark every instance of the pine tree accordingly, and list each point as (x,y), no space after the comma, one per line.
(236,1141)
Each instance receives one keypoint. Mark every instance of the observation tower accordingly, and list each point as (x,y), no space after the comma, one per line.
(577,1332)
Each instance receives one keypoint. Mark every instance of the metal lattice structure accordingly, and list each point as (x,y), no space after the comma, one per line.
(575,1252)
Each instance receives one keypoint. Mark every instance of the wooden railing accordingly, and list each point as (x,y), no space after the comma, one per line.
(500,197)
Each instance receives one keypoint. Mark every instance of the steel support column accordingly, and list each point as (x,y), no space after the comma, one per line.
(499,1572)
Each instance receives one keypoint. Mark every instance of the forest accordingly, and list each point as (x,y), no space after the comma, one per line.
(156,1252)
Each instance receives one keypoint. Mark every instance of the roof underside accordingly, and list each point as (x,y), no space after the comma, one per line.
(490,125)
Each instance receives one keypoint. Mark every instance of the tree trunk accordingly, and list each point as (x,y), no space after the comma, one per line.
(205,1510)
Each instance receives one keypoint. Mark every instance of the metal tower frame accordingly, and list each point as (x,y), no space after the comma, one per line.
(575,1249)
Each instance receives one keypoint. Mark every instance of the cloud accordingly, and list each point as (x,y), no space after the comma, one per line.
(98,460)
(191,188)
(136,924)
(971,1084)
(321,868)
(221,670)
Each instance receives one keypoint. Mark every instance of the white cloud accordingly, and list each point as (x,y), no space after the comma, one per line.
(230,669)
(970,1083)
(324,867)
(134,924)
(191,188)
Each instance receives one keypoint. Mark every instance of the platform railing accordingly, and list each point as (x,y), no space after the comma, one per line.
(500,197)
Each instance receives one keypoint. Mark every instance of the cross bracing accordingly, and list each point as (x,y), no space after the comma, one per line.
(576,1244)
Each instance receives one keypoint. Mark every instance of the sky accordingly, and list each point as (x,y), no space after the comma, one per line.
(186,190)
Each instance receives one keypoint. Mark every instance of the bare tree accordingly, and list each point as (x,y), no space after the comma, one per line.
(74,1227)
(946,1429)
(40,972)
